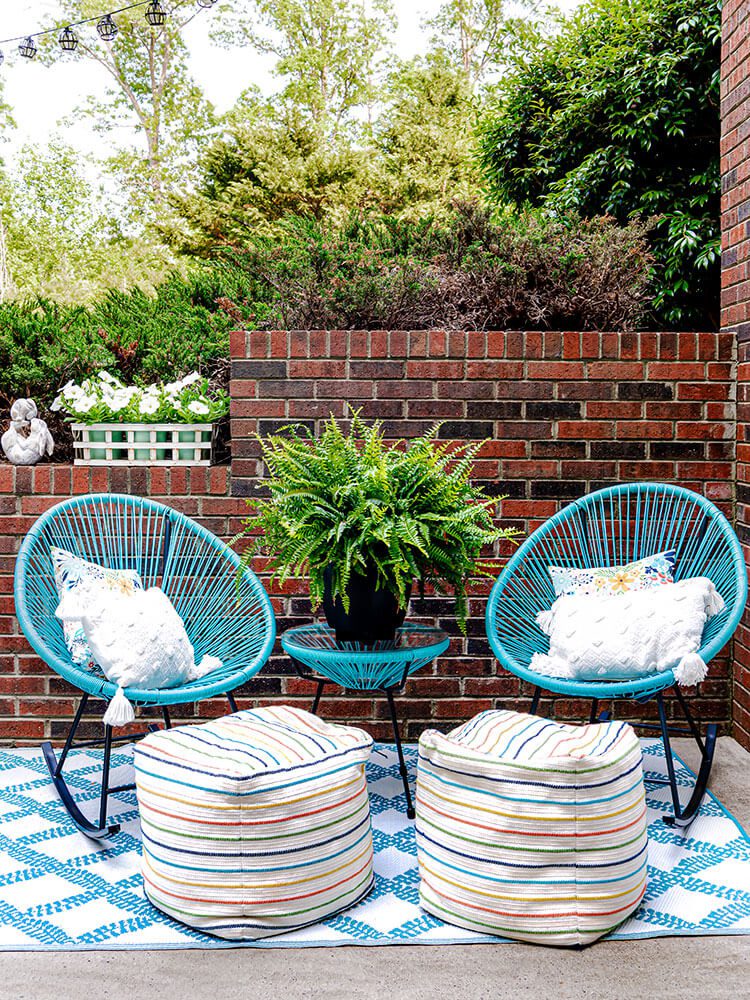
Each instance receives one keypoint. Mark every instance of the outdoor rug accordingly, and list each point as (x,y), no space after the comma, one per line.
(59,890)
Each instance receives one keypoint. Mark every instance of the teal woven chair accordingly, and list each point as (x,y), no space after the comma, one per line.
(225,615)
(607,528)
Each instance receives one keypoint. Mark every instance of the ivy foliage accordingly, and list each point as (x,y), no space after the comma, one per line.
(618,114)
(349,500)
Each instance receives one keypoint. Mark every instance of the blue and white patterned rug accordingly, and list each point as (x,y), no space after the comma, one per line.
(59,890)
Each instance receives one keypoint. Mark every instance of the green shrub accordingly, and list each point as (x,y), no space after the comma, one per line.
(619,114)
(143,338)
(471,271)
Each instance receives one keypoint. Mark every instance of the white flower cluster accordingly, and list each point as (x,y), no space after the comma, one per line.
(107,399)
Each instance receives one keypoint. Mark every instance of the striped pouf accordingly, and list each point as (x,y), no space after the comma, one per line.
(530,829)
(255,824)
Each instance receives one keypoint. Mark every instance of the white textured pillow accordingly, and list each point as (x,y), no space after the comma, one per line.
(632,635)
(138,640)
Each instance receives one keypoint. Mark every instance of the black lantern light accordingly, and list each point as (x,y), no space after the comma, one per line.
(68,40)
(206,3)
(155,14)
(107,28)
(27,48)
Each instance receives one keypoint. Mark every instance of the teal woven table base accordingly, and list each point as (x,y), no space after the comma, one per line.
(365,668)
(383,666)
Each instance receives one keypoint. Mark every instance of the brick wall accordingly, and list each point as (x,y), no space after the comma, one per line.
(735,155)
(564,413)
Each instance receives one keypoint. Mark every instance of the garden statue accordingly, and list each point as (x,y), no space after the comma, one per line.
(27,439)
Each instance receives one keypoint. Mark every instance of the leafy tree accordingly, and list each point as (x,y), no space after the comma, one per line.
(151,88)
(425,140)
(6,124)
(329,52)
(271,162)
(471,31)
(60,241)
(618,114)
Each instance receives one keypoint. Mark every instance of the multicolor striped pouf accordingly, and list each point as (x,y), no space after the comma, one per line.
(255,824)
(530,829)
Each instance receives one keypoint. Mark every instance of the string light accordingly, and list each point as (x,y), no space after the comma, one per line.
(107,28)
(155,14)
(27,48)
(68,40)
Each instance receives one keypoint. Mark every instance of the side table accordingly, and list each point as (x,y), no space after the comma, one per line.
(383,666)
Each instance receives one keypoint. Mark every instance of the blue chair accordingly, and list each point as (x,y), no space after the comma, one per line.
(226,615)
(608,528)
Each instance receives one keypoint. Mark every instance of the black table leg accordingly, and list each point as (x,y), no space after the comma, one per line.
(318,694)
(402,763)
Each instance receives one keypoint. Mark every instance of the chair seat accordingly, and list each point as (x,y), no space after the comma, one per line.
(255,824)
(530,829)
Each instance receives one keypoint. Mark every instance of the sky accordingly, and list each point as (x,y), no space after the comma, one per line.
(42,98)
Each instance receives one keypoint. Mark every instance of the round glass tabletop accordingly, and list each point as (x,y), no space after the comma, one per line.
(320,640)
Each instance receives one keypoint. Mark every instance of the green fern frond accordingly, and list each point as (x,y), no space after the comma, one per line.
(351,501)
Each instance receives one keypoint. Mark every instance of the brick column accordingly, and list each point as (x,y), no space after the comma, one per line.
(735,294)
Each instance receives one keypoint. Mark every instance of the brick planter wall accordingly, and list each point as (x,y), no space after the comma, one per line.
(735,298)
(564,413)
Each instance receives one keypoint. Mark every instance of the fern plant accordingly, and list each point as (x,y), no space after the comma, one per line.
(351,501)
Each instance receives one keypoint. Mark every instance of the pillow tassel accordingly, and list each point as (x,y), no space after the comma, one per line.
(119,711)
(690,670)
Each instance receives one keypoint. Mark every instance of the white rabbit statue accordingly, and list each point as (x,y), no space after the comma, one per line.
(27,439)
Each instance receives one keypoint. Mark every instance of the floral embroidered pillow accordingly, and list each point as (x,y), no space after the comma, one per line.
(653,571)
(72,572)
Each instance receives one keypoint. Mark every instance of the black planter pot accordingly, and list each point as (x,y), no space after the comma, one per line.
(373,614)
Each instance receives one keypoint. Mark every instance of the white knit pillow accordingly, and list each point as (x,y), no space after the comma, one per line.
(631,635)
(138,640)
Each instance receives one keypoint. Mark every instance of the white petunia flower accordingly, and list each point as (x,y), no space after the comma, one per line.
(190,379)
(200,409)
(149,404)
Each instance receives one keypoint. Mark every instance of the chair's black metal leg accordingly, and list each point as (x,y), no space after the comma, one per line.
(689,719)
(401,762)
(54,766)
(683,816)
(318,695)
(232,702)
(71,732)
(105,775)
(594,709)
(165,715)
(535,701)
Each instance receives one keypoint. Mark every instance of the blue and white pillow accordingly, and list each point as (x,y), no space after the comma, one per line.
(72,572)
(653,571)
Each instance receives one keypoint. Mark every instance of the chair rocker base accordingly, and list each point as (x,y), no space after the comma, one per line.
(683,815)
(95,831)
(101,829)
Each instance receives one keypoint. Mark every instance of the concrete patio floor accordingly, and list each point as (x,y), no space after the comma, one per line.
(709,968)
